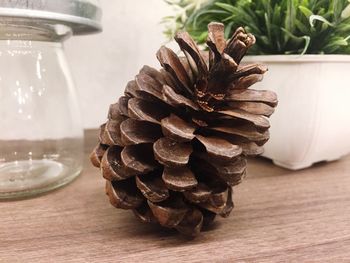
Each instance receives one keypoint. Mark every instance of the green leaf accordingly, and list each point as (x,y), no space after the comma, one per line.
(307,39)
(265,40)
(226,7)
(276,17)
(290,16)
(339,42)
(203,37)
(336,44)
(314,18)
(307,12)
(344,27)
(228,29)
(205,12)
(337,9)
(268,25)
(346,12)
(301,27)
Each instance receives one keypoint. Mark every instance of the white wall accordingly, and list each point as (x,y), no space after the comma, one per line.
(102,64)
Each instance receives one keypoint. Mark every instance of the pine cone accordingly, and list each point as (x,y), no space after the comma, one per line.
(175,145)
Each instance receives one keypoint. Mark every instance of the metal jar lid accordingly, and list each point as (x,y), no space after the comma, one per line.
(83,16)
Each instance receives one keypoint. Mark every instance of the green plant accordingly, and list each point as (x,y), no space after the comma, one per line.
(280,26)
(182,10)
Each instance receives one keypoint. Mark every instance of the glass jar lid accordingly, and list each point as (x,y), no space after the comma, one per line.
(82,16)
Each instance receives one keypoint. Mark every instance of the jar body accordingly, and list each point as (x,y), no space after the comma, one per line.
(41,134)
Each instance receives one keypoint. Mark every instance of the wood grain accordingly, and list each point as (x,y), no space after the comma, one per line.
(280,216)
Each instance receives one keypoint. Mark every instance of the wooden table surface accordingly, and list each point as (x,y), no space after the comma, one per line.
(280,216)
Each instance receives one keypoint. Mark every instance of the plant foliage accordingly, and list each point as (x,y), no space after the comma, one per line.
(280,26)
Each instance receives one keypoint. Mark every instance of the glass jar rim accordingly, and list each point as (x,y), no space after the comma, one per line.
(82,16)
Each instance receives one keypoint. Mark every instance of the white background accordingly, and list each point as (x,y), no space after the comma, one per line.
(102,64)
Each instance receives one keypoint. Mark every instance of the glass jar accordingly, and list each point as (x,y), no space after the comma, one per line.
(41,133)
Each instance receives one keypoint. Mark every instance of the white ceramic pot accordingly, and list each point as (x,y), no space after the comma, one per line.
(312,120)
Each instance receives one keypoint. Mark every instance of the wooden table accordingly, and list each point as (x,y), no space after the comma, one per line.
(280,216)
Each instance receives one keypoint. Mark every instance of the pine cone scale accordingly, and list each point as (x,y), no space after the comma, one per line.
(111,165)
(147,84)
(171,153)
(179,179)
(177,129)
(245,131)
(123,194)
(136,158)
(258,120)
(152,187)
(146,111)
(137,132)
(217,148)
(177,100)
(97,154)
(191,224)
(246,81)
(144,213)
(249,95)
(198,194)
(216,39)
(255,108)
(157,75)
(168,216)
(171,63)
(190,48)
(220,203)
(114,112)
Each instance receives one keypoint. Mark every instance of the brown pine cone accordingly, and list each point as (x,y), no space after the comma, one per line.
(177,142)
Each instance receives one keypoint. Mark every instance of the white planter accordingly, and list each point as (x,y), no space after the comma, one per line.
(312,120)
